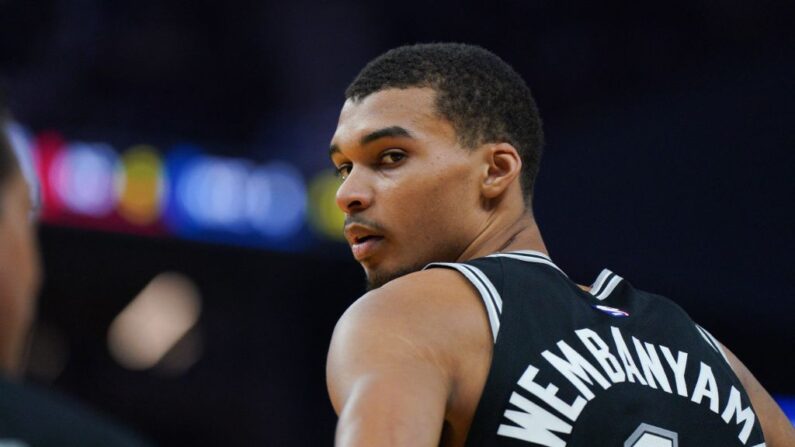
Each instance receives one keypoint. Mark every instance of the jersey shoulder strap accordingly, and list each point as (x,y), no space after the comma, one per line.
(487,276)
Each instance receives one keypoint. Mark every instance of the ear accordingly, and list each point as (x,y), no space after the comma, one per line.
(503,166)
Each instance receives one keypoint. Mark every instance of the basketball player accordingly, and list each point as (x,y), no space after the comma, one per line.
(30,416)
(470,334)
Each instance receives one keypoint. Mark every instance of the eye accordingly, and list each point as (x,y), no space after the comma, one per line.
(392,157)
(343,170)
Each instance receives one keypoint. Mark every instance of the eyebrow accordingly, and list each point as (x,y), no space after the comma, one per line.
(386,132)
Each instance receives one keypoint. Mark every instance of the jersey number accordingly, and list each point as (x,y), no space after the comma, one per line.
(647,435)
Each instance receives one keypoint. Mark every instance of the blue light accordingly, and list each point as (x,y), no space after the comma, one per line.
(232,200)
(20,140)
(276,200)
(222,194)
(787,404)
(178,164)
(84,178)
(211,191)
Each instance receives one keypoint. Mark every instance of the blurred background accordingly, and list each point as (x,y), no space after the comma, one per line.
(193,252)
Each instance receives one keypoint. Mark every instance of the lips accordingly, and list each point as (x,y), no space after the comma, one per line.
(363,240)
(364,247)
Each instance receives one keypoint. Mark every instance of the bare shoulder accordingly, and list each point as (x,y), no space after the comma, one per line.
(431,299)
(429,318)
(428,289)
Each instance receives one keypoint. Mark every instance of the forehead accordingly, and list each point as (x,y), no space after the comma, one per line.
(413,109)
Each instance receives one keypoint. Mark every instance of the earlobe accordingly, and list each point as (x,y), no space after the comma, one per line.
(503,165)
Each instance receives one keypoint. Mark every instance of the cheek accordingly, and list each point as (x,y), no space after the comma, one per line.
(437,215)
(20,265)
(29,250)
(452,196)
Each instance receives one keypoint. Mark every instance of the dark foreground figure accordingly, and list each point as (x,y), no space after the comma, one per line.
(31,417)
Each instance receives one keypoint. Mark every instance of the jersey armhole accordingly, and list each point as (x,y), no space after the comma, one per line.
(712,342)
(488,293)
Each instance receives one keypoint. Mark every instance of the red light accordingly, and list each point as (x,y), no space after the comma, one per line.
(48,145)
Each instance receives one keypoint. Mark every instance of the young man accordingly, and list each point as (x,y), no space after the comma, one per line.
(470,334)
(29,416)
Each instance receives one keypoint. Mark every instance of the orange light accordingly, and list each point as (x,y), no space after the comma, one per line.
(141,185)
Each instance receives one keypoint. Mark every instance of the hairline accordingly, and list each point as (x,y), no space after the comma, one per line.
(527,199)
(436,112)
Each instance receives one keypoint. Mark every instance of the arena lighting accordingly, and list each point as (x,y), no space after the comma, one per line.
(324,216)
(47,148)
(155,322)
(20,141)
(235,196)
(141,185)
(177,162)
(223,194)
(212,192)
(276,199)
(83,176)
(184,192)
(787,404)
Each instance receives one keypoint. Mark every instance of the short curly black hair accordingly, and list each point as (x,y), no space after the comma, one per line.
(480,94)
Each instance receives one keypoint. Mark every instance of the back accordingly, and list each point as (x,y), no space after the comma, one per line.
(614,367)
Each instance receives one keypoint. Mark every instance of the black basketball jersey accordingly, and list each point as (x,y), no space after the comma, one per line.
(613,367)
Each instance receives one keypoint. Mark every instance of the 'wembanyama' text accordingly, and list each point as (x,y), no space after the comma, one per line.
(535,424)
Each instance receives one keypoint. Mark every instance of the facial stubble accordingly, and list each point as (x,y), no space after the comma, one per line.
(377,279)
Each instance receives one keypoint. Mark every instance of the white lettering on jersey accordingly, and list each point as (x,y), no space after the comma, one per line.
(678,367)
(744,415)
(576,369)
(538,425)
(534,424)
(626,357)
(650,363)
(706,387)
(601,352)
(548,395)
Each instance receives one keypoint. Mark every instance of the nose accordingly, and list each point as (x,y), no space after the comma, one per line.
(355,193)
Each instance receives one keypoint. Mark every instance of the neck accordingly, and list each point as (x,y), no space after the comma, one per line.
(509,233)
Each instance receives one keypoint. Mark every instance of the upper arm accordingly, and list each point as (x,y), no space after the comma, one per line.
(383,385)
(776,427)
(388,379)
(397,356)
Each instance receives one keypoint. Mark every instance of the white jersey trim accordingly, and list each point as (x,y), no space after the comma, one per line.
(488,293)
(528,256)
(489,286)
(604,285)
(611,285)
(597,285)
(712,342)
